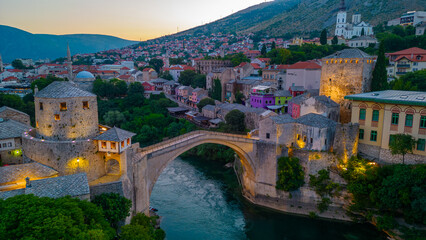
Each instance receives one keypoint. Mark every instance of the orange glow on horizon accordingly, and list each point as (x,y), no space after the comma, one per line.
(128,19)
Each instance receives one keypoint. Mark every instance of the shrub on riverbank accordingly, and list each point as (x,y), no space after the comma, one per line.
(290,174)
(393,190)
(142,227)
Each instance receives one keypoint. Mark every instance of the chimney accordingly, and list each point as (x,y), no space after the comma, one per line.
(35,89)
(28,183)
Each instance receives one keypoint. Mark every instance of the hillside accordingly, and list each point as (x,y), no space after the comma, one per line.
(282,17)
(16,43)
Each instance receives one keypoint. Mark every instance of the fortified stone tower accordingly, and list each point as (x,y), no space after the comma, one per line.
(344,73)
(65,112)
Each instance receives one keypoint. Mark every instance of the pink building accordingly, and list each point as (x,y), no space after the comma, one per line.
(305,74)
(147,86)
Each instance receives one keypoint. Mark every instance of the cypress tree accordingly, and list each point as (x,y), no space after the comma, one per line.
(334,41)
(274,45)
(263,51)
(380,79)
(323,38)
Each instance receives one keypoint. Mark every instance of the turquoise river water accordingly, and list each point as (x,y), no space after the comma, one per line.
(199,199)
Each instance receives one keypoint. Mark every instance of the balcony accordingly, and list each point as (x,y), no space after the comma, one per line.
(403,65)
(401,73)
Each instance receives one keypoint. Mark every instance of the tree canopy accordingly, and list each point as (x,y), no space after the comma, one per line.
(401,144)
(31,217)
(204,102)
(235,121)
(115,207)
(157,64)
(380,78)
(323,38)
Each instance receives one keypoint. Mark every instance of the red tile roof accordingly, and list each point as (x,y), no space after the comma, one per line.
(305,65)
(414,54)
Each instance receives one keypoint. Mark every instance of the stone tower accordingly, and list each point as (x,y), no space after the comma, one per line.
(1,64)
(344,73)
(69,63)
(65,112)
(341,22)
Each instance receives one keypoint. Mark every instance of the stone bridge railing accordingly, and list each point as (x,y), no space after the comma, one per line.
(185,138)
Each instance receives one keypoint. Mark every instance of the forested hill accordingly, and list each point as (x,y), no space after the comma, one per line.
(281,17)
(16,43)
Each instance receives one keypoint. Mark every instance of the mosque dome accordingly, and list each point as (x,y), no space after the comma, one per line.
(84,76)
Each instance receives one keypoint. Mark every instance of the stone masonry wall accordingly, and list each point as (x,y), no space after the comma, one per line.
(346,140)
(62,156)
(75,122)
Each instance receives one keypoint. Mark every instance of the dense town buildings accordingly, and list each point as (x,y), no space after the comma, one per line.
(405,61)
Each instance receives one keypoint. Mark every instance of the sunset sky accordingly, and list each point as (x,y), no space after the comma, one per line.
(129,19)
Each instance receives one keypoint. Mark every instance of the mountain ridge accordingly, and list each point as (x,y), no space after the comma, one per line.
(18,43)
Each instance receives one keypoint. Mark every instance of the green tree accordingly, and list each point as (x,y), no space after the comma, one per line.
(235,121)
(263,50)
(400,84)
(187,77)
(199,81)
(142,227)
(237,59)
(166,75)
(157,64)
(17,64)
(44,82)
(216,93)
(30,217)
(290,174)
(323,38)
(334,41)
(204,102)
(414,80)
(115,207)
(274,45)
(401,144)
(114,118)
(135,97)
(239,97)
(380,78)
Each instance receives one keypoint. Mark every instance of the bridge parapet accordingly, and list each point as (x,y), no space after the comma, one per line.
(194,135)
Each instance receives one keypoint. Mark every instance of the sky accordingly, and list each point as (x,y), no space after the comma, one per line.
(128,19)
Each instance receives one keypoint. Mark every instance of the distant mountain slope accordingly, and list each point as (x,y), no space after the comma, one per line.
(280,17)
(16,43)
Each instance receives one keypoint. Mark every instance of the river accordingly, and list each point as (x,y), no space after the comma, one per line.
(199,199)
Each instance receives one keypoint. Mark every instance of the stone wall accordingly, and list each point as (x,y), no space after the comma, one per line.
(11,156)
(75,122)
(9,113)
(111,187)
(66,157)
(384,156)
(346,140)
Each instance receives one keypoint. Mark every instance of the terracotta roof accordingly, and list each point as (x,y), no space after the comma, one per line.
(255,66)
(304,65)
(409,51)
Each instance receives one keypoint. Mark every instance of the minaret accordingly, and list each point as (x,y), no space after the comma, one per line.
(1,64)
(69,63)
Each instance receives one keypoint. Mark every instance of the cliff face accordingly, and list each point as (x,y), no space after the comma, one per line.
(281,17)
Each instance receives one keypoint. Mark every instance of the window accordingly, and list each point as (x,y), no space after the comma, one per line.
(395,118)
(375,116)
(103,144)
(409,120)
(373,136)
(298,137)
(268,135)
(63,106)
(85,105)
(312,140)
(361,134)
(57,117)
(41,106)
(122,144)
(362,114)
(9,144)
(128,141)
(423,122)
(421,144)
(4,145)
(304,138)
(113,145)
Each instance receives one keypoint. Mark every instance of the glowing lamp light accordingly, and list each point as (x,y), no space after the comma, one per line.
(78,159)
(42,140)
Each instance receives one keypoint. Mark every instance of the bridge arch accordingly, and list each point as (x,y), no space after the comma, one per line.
(152,160)
(244,157)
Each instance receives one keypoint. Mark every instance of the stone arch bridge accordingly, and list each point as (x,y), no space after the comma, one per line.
(258,161)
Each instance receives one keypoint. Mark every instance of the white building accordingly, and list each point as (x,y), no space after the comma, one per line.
(363,41)
(350,30)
